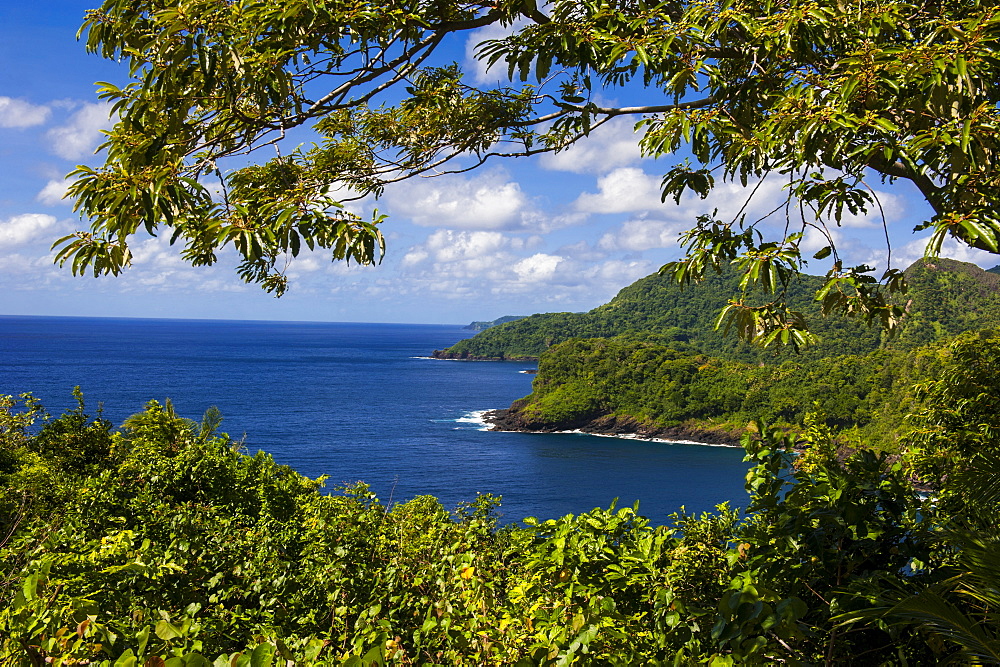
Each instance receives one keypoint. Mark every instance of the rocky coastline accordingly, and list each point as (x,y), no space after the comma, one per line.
(465,356)
(511,419)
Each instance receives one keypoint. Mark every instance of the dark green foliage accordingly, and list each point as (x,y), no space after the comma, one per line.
(953,597)
(652,358)
(174,545)
(74,442)
(824,539)
(657,306)
(654,386)
(945,298)
(959,409)
(38,471)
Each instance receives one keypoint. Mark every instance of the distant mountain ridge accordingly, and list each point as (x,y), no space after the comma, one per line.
(483,326)
(945,298)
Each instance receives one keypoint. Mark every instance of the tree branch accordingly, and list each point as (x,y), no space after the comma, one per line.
(611,112)
(529,9)
(899,169)
(655,108)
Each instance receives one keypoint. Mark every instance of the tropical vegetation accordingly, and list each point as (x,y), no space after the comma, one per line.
(161,543)
(664,370)
(481,325)
(945,298)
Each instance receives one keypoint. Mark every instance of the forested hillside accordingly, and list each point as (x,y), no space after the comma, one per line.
(945,298)
(630,385)
(670,375)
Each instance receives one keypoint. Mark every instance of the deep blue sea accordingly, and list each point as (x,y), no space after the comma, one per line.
(359,402)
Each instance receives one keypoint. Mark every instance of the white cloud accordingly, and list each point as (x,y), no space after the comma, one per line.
(18,264)
(305,264)
(813,240)
(624,189)
(416,255)
(491,266)
(489,201)
(583,252)
(544,222)
(538,268)
(447,245)
(654,224)
(610,276)
(53,192)
(18,113)
(643,233)
(456,263)
(82,133)
(892,206)
(613,145)
(630,189)
(24,228)
(155,253)
(156,265)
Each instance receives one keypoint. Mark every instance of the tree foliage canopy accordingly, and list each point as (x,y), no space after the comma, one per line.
(820,93)
(176,549)
(170,547)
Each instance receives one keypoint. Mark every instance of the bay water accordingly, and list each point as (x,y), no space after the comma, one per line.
(360,402)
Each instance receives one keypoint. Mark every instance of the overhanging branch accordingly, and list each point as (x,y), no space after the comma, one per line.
(899,169)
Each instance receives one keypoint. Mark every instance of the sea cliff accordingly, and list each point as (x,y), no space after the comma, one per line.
(465,355)
(514,419)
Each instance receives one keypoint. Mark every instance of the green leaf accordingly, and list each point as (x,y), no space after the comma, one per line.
(31,584)
(262,656)
(166,630)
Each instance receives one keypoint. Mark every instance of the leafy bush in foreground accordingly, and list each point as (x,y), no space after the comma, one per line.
(168,546)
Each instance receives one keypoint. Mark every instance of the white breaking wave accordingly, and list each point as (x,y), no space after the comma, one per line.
(475,417)
(636,436)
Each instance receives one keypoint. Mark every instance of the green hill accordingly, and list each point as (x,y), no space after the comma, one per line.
(625,385)
(650,362)
(945,298)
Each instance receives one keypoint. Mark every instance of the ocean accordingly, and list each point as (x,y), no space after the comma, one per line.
(360,402)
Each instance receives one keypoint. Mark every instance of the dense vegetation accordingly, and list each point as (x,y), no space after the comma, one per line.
(650,361)
(683,318)
(632,385)
(945,298)
(162,544)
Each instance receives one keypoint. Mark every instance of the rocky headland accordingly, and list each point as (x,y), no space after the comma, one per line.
(466,356)
(513,419)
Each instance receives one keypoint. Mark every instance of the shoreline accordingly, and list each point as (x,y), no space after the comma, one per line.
(610,426)
(444,355)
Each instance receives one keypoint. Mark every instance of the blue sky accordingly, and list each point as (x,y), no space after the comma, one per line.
(555,233)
